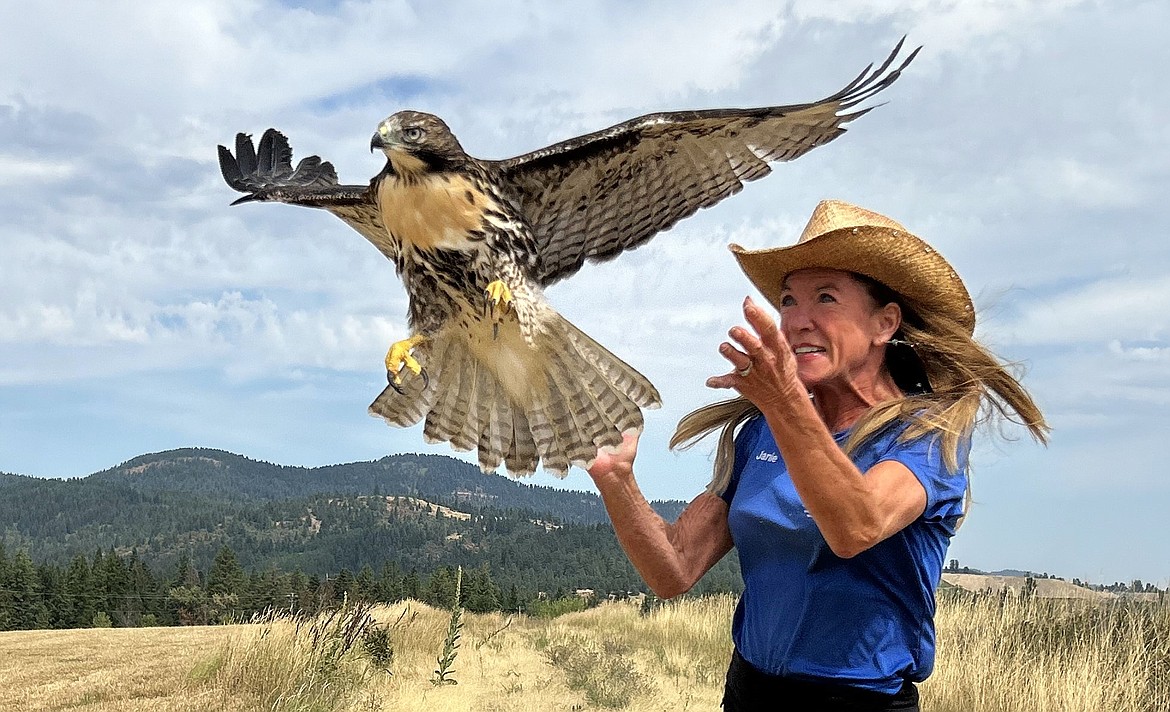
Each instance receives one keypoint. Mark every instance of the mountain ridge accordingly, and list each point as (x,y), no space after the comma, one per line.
(181,503)
(425,474)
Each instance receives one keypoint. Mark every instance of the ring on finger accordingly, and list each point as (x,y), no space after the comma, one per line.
(743,372)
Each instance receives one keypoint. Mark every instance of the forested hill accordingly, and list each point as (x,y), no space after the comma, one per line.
(219,474)
(416,511)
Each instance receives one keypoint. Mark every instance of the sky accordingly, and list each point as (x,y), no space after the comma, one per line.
(1027,143)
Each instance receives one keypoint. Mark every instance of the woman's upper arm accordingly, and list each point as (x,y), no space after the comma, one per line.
(898,494)
(701,536)
(913,480)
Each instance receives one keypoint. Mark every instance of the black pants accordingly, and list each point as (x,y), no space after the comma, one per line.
(749,690)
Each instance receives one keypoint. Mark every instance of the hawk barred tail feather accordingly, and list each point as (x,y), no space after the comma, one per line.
(476,242)
(584,398)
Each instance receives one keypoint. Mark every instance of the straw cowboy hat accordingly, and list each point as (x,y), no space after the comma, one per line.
(846,237)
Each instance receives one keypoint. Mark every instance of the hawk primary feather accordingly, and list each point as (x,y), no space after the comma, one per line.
(475,242)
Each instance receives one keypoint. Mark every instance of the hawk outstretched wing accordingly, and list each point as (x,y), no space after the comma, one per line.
(266,173)
(594,196)
(597,195)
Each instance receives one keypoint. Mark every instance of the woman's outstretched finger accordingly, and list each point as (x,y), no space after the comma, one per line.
(738,359)
(748,342)
(768,332)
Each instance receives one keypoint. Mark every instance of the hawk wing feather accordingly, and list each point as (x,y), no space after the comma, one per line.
(266,174)
(597,195)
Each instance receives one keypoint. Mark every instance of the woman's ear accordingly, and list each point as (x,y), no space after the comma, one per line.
(889,320)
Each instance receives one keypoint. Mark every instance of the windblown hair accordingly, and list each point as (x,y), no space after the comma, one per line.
(966,386)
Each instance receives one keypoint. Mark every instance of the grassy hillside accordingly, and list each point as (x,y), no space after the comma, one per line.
(995,655)
(1041,588)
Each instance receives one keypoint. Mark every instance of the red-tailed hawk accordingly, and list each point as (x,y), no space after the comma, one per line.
(489,364)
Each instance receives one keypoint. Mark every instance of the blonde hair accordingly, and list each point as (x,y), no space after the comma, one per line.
(968,386)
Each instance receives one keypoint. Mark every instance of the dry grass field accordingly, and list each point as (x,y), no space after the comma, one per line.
(995,655)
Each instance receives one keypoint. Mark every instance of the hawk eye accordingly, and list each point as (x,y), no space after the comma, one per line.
(413,133)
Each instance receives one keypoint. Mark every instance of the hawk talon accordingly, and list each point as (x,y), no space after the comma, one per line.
(393,380)
(398,358)
(498,295)
(396,382)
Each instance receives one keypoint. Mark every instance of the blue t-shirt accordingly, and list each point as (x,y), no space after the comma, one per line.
(806,613)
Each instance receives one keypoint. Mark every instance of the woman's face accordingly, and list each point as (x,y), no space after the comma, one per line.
(835,328)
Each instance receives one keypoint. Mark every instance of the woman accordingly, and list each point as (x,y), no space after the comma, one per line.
(841,470)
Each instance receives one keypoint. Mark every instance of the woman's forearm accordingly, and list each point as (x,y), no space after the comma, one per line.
(671,558)
(853,511)
(831,487)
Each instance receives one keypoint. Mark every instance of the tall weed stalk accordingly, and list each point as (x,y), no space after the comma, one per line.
(445,671)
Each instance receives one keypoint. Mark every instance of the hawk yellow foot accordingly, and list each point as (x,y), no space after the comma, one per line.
(398,358)
(498,295)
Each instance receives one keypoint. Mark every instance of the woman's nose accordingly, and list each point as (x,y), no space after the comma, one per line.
(795,318)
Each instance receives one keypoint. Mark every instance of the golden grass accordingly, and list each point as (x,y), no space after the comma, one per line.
(1045,655)
(994,656)
(108,669)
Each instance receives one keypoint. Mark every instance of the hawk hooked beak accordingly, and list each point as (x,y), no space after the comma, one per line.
(377,142)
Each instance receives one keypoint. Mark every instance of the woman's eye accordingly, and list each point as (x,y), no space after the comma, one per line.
(787,301)
(825,298)
(413,133)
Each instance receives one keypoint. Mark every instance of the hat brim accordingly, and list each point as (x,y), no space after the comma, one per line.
(899,260)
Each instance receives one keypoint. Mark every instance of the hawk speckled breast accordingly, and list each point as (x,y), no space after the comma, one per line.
(489,364)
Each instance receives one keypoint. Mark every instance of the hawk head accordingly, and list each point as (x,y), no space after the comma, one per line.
(415,142)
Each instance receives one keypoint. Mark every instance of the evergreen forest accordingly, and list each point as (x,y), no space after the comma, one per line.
(199,536)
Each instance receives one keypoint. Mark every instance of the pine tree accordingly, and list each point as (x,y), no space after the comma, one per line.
(97,568)
(365,585)
(269,590)
(344,586)
(7,611)
(140,588)
(28,610)
(412,586)
(440,588)
(186,602)
(388,588)
(480,595)
(80,590)
(226,577)
(324,596)
(225,585)
(185,572)
(116,577)
(300,593)
(512,601)
(58,607)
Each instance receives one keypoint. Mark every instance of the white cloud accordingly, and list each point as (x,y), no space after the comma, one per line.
(1066,181)
(15,171)
(246,336)
(1155,354)
(1115,309)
